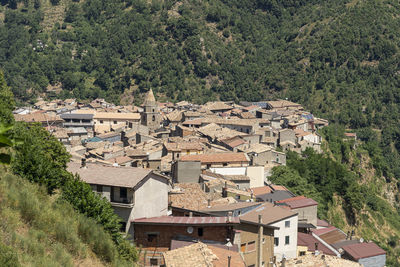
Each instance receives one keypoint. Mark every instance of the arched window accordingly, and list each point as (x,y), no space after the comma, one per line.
(154,118)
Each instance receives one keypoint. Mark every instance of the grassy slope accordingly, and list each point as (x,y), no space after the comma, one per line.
(39,230)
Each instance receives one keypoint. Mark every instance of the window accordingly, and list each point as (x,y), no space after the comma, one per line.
(243,248)
(287,240)
(154,118)
(153,262)
(276,241)
(122,192)
(151,237)
(277,159)
(263,240)
(101,122)
(302,253)
(287,224)
(99,188)
(115,122)
(200,231)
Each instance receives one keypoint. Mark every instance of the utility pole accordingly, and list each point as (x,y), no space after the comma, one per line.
(260,241)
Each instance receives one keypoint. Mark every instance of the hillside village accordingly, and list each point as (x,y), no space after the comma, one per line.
(190,182)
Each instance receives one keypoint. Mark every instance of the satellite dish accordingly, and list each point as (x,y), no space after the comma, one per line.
(361,240)
(189,230)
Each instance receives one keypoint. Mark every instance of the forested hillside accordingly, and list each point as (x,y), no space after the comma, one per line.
(339,58)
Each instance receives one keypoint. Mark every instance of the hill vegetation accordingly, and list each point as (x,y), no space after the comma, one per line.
(339,58)
(41,230)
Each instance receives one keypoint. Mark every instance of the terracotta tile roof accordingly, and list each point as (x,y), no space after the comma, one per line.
(300,132)
(175,116)
(222,254)
(175,220)
(330,235)
(350,134)
(322,223)
(37,117)
(214,131)
(217,106)
(193,122)
(117,116)
(196,255)
(278,187)
(247,115)
(270,214)
(191,197)
(262,190)
(109,175)
(298,202)
(311,260)
(183,146)
(309,241)
(234,142)
(282,104)
(363,250)
(217,158)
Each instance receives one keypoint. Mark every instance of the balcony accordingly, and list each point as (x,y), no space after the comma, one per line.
(122,202)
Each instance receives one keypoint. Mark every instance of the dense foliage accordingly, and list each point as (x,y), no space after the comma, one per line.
(339,58)
(347,177)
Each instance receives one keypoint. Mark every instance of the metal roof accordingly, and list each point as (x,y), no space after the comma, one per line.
(168,220)
(77,116)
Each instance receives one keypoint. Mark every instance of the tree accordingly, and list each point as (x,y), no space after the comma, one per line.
(5,143)
(7,102)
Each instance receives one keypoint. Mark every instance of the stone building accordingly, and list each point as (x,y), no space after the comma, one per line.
(151,116)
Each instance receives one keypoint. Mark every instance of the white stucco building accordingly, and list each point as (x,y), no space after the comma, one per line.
(133,192)
(285,239)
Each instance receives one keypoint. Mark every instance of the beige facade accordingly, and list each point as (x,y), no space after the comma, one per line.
(248,243)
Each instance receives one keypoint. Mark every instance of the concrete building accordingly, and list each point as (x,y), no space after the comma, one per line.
(305,207)
(132,192)
(367,254)
(107,121)
(219,160)
(75,120)
(186,171)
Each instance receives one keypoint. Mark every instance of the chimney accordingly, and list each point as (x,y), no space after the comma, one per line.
(229,216)
(83,163)
(352,234)
(283,262)
(348,235)
(208,203)
(190,214)
(316,249)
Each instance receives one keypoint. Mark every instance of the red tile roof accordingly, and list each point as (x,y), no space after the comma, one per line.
(298,202)
(217,158)
(363,250)
(309,241)
(324,230)
(187,220)
(322,223)
(262,190)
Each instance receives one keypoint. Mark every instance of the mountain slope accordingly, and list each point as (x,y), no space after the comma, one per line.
(39,230)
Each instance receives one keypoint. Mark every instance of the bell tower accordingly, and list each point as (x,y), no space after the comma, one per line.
(150,116)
